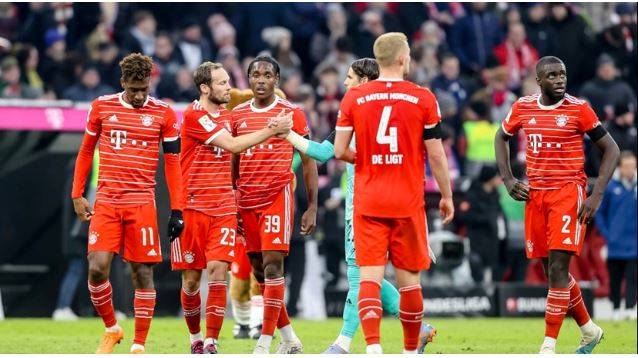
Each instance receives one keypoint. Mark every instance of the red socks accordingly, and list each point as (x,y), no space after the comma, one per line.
(144,306)
(273,303)
(215,308)
(191,304)
(576,307)
(101,296)
(557,302)
(411,314)
(370,310)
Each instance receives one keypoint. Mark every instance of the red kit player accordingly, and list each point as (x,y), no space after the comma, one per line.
(395,122)
(210,211)
(266,200)
(557,211)
(129,127)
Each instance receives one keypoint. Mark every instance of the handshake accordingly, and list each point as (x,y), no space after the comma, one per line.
(281,124)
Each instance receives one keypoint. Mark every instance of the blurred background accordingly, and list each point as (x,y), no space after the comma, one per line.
(477,58)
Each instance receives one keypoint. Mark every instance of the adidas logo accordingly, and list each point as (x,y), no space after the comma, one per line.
(567,241)
(532,121)
(151,253)
(369,315)
(231,253)
(243,125)
(276,241)
(113,118)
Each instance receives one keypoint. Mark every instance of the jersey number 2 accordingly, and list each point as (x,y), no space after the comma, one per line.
(391,137)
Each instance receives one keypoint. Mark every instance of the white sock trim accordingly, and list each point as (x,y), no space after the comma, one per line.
(343,342)
(195,337)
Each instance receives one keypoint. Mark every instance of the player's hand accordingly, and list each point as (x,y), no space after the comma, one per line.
(82,209)
(281,124)
(175,225)
(308,222)
(517,189)
(446,210)
(588,208)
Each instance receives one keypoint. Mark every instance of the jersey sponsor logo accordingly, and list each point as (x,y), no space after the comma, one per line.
(189,257)
(532,121)
(151,253)
(567,241)
(207,123)
(118,137)
(561,120)
(93,237)
(147,120)
(535,141)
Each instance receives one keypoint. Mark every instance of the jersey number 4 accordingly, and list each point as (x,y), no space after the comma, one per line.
(391,137)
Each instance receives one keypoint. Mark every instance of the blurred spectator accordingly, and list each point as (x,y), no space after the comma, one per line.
(616,221)
(514,212)
(167,60)
(308,102)
(194,48)
(413,14)
(429,44)
(605,91)
(370,28)
(101,34)
(181,89)
(141,37)
(328,95)
(623,129)
(620,42)
(10,84)
(479,134)
(108,64)
(474,36)
(28,59)
(291,86)
(9,21)
(228,56)
(340,58)
(512,16)
(496,94)
(517,55)
(337,22)
(538,29)
(450,81)
(57,68)
(222,32)
(279,40)
(482,214)
(89,87)
(572,43)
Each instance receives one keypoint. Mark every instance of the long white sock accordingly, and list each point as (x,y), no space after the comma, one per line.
(587,328)
(549,342)
(136,346)
(343,342)
(264,341)
(196,337)
(209,340)
(287,333)
(241,312)
(114,328)
(374,349)
(256,311)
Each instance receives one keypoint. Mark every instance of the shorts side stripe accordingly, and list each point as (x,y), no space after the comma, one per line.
(580,201)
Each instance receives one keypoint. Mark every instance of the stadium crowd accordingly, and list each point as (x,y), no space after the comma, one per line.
(478,58)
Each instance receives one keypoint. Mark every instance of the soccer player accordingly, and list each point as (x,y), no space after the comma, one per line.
(210,211)
(395,121)
(129,127)
(264,182)
(557,211)
(361,71)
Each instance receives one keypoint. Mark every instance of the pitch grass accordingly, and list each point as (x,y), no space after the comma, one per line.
(169,335)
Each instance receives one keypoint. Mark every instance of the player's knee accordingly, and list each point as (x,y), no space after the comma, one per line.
(142,276)
(98,271)
(273,269)
(558,273)
(190,284)
(217,270)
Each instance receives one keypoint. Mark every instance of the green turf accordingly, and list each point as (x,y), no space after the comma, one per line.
(169,335)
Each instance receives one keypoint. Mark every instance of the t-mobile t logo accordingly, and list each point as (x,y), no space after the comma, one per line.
(118,138)
(535,141)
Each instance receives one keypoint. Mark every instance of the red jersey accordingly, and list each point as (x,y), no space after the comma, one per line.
(129,147)
(205,168)
(554,136)
(265,169)
(388,118)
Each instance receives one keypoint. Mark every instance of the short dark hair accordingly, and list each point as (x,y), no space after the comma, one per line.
(366,67)
(547,60)
(203,73)
(136,67)
(268,59)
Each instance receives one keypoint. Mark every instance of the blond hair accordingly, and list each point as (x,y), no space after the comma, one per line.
(388,47)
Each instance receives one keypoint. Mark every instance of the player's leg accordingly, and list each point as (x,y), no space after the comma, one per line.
(191,305)
(143,304)
(256,307)
(240,303)
(105,235)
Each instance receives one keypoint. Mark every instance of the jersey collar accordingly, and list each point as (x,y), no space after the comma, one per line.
(265,109)
(125,104)
(553,106)
(387,79)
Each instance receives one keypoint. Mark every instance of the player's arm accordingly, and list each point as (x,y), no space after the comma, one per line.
(310,178)
(317,151)
(610,150)
(343,136)
(278,125)
(84,163)
(438,164)
(517,189)
(173,171)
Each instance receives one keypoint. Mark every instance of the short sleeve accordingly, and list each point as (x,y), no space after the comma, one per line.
(299,122)
(432,111)
(170,129)
(512,123)
(345,120)
(93,119)
(202,127)
(588,119)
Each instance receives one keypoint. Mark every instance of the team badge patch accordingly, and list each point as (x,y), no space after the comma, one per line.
(93,237)
(147,120)
(561,120)
(189,257)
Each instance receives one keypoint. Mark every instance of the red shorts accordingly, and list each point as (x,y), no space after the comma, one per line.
(240,267)
(205,238)
(130,232)
(268,228)
(403,240)
(551,221)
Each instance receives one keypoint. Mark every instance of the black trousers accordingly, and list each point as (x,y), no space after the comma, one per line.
(295,270)
(619,270)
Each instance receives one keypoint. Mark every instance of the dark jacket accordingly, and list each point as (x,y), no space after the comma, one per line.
(481,219)
(616,219)
(604,95)
(473,37)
